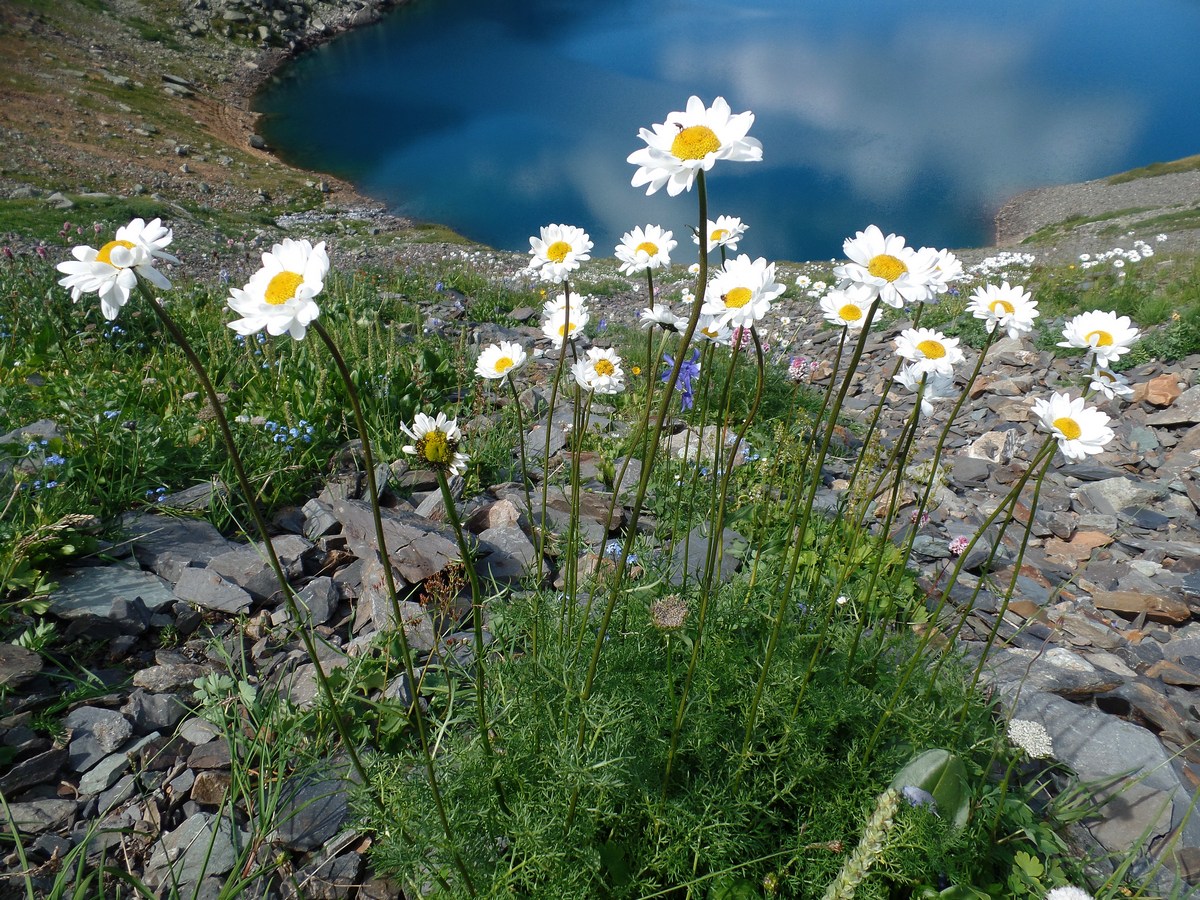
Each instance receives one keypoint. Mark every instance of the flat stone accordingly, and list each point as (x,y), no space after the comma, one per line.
(167,545)
(204,845)
(1133,810)
(1080,547)
(107,726)
(1131,604)
(1063,673)
(1185,410)
(213,755)
(1173,673)
(151,712)
(17,665)
(210,788)
(688,557)
(416,548)
(39,769)
(1099,746)
(98,592)
(509,553)
(318,600)
(311,812)
(173,677)
(104,774)
(209,590)
(1112,495)
(36,816)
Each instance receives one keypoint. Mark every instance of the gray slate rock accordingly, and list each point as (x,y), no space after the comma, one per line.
(688,555)
(204,845)
(167,545)
(209,590)
(107,726)
(17,665)
(311,812)
(416,548)
(110,592)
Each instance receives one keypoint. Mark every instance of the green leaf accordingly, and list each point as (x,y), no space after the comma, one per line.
(943,775)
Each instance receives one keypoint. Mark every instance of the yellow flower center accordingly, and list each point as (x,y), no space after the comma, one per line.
(503,364)
(650,248)
(887,267)
(604,367)
(1068,428)
(636,370)
(282,288)
(932,349)
(695,142)
(105,254)
(850,313)
(1003,307)
(719,234)
(436,448)
(1099,338)
(567,329)
(558,251)
(738,297)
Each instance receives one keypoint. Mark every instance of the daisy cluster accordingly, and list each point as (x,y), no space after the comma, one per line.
(1118,256)
(1002,262)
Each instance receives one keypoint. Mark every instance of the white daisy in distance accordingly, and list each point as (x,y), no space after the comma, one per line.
(742,291)
(847,309)
(1068,893)
(1081,431)
(928,350)
(560,327)
(112,271)
(890,268)
(947,270)
(558,251)
(692,141)
(499,360)
(660,314)
(725,232)
(1107,335)
(600,371)
(435,443)
(1110,384)
(645,248)
(1009,307)
(279,296)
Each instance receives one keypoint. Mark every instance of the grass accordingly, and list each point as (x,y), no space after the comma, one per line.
(1052,232)
(1187,164)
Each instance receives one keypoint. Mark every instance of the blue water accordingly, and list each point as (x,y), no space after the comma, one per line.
(498,116)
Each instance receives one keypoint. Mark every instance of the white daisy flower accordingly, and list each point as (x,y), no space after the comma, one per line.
(660,314)
(847,309)
(691,141)
(560,327)
(559,251)
(1110,384)
(938,386)
(742,291)
(803,281)
(725,232)
(645,248)
(1080,430)
(600,371)
(894,271)
(1010,307)
(112,271)
(1107,335)
(498,360)
(928,350)
(947,270)
(435,443)
(1068,893)
(279,296)
(558,305)
(714,330)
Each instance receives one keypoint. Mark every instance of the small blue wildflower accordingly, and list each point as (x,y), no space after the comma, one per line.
(915,796)
(50,485)
(260,337)
(294,432)
(54,460)
(32,446)
(687,374)
(37,485)
(111,413)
